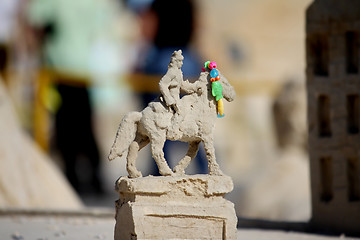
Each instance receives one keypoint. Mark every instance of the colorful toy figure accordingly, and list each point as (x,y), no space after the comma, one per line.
(216,88)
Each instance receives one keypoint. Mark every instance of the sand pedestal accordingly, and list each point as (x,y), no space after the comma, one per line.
(187,207)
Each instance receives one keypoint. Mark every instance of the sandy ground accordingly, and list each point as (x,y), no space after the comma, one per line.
(99,224)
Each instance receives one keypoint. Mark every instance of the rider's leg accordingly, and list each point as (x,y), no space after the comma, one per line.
(190,155)
(174,130)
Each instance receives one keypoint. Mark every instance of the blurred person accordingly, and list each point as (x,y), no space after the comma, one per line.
(167,26)
(70,31)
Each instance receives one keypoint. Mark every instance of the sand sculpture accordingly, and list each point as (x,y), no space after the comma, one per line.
(24,168)
(175,205)
(333,97)
(190,119)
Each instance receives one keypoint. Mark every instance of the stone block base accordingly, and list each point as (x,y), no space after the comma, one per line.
(187,207)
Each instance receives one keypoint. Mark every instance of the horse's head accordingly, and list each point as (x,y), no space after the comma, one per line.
(228,90)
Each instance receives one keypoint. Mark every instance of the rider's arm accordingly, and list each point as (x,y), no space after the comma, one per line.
(189,87)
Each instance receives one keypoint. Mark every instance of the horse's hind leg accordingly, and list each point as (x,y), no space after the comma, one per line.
(214,168)
(157,145)
(134,148)
(190,155)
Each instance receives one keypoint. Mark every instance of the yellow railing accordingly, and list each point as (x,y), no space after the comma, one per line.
(47,77)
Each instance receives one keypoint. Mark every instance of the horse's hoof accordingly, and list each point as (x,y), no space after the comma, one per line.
(179,174)
(178,171)
(216,172)
(135,175)
(167,172)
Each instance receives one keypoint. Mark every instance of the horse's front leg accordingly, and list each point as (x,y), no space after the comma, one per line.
(157,145)
(179,169)
(214,168)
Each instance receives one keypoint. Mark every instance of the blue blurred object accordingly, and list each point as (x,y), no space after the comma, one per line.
(138,6)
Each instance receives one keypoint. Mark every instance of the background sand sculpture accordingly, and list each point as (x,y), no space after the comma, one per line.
(23,168)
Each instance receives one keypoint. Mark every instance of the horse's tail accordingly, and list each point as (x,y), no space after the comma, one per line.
(125,135)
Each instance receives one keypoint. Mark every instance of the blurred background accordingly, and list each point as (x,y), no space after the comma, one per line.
(70,70)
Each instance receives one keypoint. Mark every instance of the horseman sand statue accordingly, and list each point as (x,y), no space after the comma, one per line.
(189,119)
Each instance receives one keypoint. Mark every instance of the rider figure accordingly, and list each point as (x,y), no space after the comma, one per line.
(171,84)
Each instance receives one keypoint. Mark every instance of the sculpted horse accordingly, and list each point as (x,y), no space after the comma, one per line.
(193,122)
